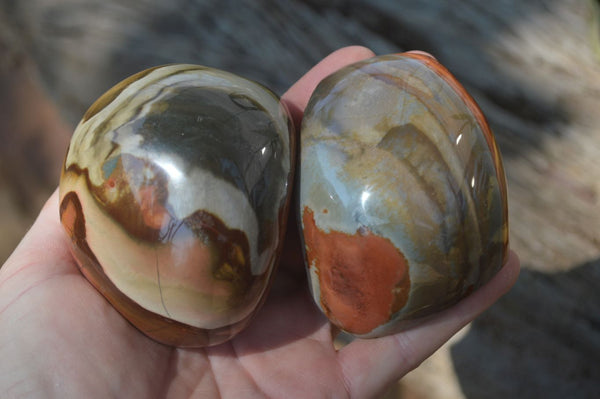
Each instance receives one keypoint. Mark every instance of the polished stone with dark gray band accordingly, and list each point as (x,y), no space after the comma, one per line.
(175,192)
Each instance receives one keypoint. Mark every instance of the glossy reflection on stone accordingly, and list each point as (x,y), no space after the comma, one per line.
(402,194)
(174,192)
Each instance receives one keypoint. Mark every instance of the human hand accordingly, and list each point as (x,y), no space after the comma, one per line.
(60,338)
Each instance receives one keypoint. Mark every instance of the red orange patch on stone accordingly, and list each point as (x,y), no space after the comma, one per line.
(363,277)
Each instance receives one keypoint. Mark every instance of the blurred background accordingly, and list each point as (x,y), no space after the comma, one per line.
(533,66)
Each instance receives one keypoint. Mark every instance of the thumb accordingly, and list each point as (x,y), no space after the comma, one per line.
(44,250)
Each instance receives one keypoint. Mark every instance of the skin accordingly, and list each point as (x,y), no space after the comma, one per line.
(60,338)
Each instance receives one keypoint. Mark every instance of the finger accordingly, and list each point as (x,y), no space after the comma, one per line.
(372,365)
(45,243)
(298,95)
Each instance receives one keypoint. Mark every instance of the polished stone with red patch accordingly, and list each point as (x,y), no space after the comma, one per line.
(402,194)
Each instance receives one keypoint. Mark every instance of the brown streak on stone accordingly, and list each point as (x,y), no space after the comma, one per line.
(113,93)
(155,326)
(470,102)
(233,263)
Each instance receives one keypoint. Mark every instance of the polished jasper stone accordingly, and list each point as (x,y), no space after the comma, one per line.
(175,192)
(402,194)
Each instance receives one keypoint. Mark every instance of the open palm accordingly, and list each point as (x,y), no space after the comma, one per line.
(60,338)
